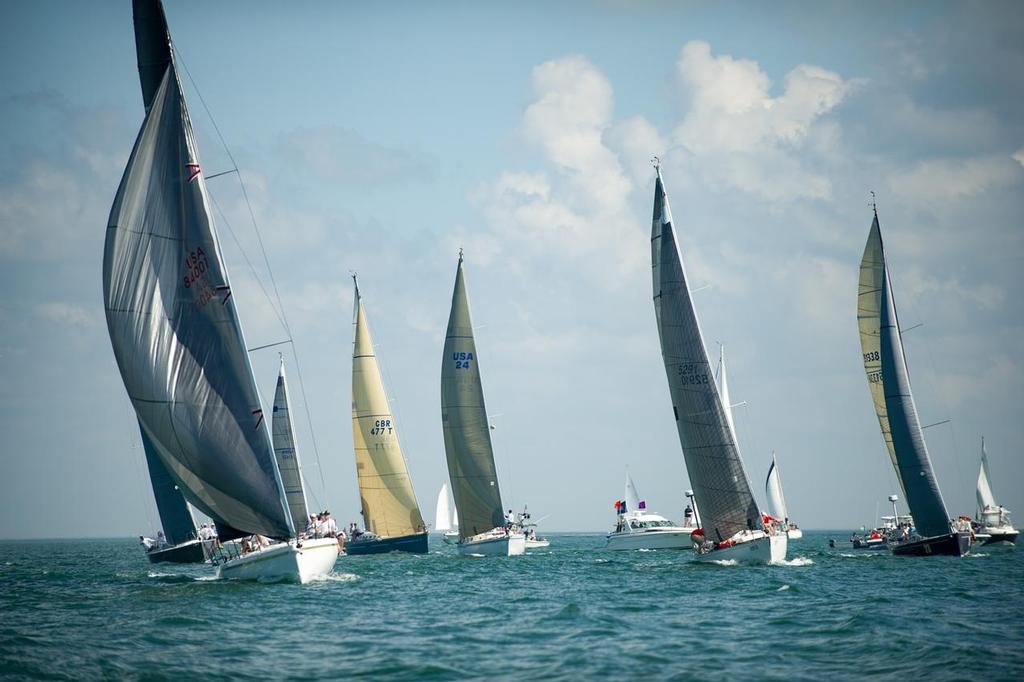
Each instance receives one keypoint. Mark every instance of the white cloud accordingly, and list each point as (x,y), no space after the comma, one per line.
(953,179)
(1018,156)
(65,314)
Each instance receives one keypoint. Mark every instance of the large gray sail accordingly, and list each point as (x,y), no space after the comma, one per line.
(286,453)
(713,463)
(467,434)
(175,331)
(914,465)
(175,517)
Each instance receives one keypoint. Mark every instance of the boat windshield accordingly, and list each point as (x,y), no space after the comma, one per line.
(663,523)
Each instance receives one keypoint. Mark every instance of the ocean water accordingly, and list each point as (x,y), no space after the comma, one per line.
(97,609)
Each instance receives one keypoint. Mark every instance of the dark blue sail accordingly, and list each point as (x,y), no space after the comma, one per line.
(175,516)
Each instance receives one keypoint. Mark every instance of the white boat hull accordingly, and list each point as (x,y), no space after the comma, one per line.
(513,544)
(653,539)
(284,561)
(760,549)
(451,537)
(537,544)
(794,533)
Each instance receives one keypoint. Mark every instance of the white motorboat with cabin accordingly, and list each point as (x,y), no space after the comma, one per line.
(733,527)
(638,528)
(992,523)
(483,528)
(177,337)
(528,526)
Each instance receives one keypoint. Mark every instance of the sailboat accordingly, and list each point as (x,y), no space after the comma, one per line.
(993,520)
(889,383)
(777,501)
(286,454)
(183,545)
(446,518)
(638,528)
(733,526)
(467,439)
(177,338)
(391,514)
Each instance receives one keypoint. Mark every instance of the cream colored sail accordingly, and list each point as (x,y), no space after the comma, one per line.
(385,490)
(869,309)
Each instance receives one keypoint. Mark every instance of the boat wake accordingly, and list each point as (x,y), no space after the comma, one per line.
(783,588)
(861,555)
(795,561)
(337,578)
(724,562)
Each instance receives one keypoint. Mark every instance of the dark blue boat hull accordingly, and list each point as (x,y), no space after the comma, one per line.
(416,544)
(186,553)
(953,544)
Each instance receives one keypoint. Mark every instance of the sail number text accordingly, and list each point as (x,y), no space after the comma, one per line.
(462,360)
(690,374)
(871,357)
(196,267)
(380,427)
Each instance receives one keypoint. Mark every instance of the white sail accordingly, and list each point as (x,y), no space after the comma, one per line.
(986,498)
(172,320)
(632,498)
(723,389)
(773,488)
(286,453)
(443,514)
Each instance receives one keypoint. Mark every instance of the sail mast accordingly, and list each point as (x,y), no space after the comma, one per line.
(467,434)
(713,462)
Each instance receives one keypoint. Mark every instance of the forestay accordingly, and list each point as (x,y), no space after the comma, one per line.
(905,437)
(173,324)
(388,501)
(467,435)
(287,454)
(712,456)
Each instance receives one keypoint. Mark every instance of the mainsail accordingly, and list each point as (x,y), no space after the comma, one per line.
(172,319)
(889,381)
(388,501)
(467,434)
(709,444)
(773,488)
(443,512)
(175,516)
(986,498)
(286,453)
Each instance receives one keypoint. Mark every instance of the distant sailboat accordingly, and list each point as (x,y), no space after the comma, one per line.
(993,520)
(177,338)
(286,454)
(889,382)
(467,439)
(777,501)
(733,527)
(390,511)
(446,518)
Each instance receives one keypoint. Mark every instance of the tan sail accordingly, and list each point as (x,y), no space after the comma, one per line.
(385,490)
(869,310)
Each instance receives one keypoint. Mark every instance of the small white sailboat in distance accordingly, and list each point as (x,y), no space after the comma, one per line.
(993,520)
(638,528)
(777,501)
(177,338)
(483,529)
(446,518)
(733,526)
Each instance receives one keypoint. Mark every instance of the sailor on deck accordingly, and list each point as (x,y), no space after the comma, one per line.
(161,539)
(329,527)
(510,520)
(147,543)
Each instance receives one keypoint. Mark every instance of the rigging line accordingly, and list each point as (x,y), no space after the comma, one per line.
(273,282)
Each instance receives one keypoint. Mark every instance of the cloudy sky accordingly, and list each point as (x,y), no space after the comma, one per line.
(381,137)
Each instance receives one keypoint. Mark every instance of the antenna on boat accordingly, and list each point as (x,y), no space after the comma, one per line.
(460,254)
(874,203)
(656,162)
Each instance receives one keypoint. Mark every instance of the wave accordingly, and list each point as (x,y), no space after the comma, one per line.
(795,561)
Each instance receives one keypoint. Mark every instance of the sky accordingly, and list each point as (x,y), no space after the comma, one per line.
(382,137)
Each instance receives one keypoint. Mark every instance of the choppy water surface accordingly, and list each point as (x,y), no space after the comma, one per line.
(96,608)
